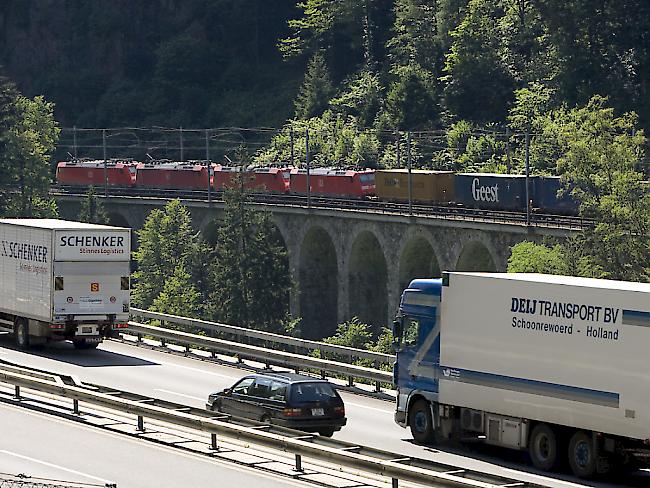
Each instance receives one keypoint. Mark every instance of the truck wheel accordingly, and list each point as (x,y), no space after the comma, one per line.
(21,333)
(542,447)
(82,344)
(420,422)
(582,455)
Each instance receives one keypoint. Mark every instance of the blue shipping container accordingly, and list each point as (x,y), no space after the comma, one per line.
(547,200)
(492,191)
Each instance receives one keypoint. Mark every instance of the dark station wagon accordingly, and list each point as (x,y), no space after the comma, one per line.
(286,399)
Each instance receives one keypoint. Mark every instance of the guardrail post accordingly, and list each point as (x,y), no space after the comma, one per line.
(139,337)
(75,406)
(298,463)
(350,381)
(213,442)
(377,386)
(17,392)
(140,423)
(395,482)
(322,374)
(163,343)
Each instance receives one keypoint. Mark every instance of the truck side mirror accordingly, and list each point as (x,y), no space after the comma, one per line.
(398,328)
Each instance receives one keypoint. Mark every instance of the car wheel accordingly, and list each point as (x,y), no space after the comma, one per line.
(582,455)
(542,447)
(326,432)
(21,333)
(420,422)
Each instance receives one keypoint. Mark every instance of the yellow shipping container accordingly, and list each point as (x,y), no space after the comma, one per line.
(427,185)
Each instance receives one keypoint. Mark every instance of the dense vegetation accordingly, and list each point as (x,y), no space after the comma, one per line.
(242,278)
(478,84)
(398,64)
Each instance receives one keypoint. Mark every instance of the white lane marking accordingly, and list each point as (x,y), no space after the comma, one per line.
(369,408)
(179,394)
(56,466)
(165,363)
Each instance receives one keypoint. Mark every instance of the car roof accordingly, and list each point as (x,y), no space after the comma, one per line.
(289,377)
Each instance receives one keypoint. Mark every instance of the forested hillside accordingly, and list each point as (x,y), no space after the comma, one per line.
(400,64)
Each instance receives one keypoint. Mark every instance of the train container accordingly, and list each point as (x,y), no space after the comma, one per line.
(95,173)
(547,200)
(262,179)
(173,175)
(492,191)
(334,182)
(427,186)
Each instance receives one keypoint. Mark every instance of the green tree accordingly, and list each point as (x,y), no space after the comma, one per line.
(352,333)
(316,91)
(478,83)
(178,295)
(361,98)
(415,34)
(411,99)
(28,137)
(529,257)
(599,154)
(167,242)
(250,268)
(92,209)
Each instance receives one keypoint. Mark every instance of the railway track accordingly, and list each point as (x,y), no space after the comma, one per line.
(359,205)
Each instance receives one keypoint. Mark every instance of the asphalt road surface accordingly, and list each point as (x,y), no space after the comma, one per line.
(189,381)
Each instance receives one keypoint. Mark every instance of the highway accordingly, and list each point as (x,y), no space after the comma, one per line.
(43,446)
(189,381)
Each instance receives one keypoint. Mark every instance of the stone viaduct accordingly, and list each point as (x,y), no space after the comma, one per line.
(347,262)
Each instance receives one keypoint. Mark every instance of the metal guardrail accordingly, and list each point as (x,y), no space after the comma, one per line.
(370,460)
(349,352)
(261,354)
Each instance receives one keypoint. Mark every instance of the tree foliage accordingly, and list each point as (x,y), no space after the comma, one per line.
(166,242)
(250,268)
(597,152)
(28,135)
(92,209)
(316,90)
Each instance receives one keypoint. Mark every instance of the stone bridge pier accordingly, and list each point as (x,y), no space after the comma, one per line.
(353,263)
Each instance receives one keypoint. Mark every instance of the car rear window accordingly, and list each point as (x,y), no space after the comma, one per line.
(312,392)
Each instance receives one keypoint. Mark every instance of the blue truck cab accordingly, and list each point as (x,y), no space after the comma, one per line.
(417,342)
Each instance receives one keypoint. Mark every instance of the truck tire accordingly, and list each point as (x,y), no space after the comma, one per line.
(82,344)
(583,457)
(21,333)
(543,447)
(420,422)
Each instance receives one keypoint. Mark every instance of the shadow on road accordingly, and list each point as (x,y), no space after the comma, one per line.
(518,460)
(65,352)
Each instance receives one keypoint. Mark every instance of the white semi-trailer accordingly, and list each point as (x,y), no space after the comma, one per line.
(558,366)
(62,280)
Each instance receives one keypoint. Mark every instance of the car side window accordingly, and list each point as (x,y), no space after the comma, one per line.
(411,329)
(278,391)
(261,388)
(243,387)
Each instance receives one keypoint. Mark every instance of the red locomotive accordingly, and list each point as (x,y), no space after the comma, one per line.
(266,180)
(119,173)
(172,175)
(333,182)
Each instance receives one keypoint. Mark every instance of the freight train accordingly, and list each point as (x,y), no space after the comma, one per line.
(485,191)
